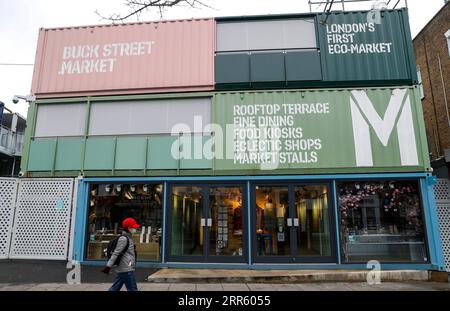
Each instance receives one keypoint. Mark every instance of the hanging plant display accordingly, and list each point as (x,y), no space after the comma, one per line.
(351,195)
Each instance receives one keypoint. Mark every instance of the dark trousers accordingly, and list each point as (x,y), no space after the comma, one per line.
(126,278)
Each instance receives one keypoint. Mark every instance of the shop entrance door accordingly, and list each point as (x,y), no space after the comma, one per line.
(292,223)
(207,223)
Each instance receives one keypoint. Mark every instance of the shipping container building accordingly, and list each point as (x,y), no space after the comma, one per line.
(240,142)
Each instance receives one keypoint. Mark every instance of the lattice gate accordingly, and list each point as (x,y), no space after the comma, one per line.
(42,219)
(8,191)
(442,195)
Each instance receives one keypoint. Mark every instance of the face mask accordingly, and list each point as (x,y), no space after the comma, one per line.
(133,230)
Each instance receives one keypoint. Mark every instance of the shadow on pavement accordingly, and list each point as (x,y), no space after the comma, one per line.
(39,271)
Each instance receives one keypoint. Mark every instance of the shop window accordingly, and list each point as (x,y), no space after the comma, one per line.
(109,204)
(381,220)
(147,117)
(263,35)
(273,237)
(301,229)
(207,220)
(187,236)
(313,231)
(60,120)
(226,221)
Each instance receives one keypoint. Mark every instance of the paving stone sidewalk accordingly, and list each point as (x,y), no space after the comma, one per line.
(385,286)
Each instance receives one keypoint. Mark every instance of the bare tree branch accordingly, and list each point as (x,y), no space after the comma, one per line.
(137,7)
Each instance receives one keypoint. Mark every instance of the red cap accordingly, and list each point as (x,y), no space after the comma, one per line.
(130,223)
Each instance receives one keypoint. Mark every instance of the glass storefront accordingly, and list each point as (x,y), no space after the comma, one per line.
(187,236)
(291,222)
(313,233)
(109,204)
(381,220)
(272,233)
(207,222)
(225,206)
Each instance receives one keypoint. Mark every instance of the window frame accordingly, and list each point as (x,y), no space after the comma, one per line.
(87,235)
(423,218)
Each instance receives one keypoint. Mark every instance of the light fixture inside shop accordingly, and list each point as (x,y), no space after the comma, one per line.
(159,188)
(118,188)
(157,199)
(133,188)
(108,188)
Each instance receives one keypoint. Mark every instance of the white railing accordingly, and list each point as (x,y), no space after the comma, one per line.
(11,143)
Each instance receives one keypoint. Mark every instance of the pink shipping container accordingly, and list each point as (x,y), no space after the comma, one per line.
(153,57)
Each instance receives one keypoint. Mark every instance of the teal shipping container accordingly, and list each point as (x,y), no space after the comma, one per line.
(315,50)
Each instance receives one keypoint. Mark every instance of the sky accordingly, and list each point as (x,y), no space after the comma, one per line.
(20,21)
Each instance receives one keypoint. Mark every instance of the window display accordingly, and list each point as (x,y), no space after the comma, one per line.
(226,214)
(293,227)
(313,232)
(272,233)
(381,220)
(109,204)
(187,233)
(216,226)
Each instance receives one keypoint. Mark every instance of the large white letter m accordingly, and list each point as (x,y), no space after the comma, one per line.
(363,114)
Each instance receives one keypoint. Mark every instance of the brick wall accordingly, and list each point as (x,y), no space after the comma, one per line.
(430,45)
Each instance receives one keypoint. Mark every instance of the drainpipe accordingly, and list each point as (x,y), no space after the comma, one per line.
(433,103)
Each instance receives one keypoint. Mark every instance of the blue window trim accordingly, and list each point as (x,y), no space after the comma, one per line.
(337,223)
(80,221)
(163,246)
(203,265)
(249,227)
(432,224)
(426,184)
(259,177)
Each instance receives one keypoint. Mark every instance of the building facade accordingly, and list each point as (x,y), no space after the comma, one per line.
(12,129)
(258,142)
(432,49)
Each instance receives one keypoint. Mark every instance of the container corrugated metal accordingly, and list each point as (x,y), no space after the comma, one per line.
(357,48)
(166,56)
(368,48)
(372,129)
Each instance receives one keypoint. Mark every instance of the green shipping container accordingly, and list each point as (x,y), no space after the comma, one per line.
(362,130)
(265,132)
(341,49)
(372,48)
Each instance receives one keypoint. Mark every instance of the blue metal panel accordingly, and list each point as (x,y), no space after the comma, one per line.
(436,257)
(163,247)
(270,177)
(80,221)
(249,227)
(396,266)
(336,215)
(432,225)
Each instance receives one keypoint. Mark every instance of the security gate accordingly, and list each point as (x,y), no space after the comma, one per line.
(42,219)
(442,195)
(8,191)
